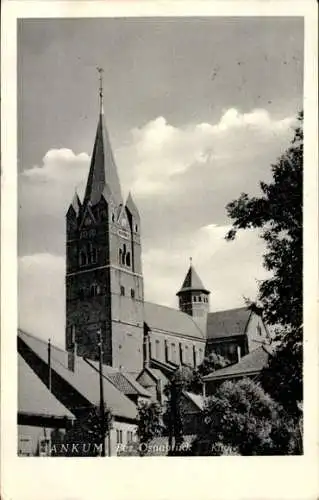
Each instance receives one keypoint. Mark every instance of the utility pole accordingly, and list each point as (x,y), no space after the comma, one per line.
(102,417)
(49,366)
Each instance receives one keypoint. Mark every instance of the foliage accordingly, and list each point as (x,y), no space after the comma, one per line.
(149,422)
(282,378)
(173,416)
(211,363)
(240,418)
(278,213)
(85,436)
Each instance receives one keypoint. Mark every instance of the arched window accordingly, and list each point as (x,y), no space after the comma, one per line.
(94,290)
(128,259)
(124,254)
(136,228)
(120,256)
(157,349)
(83,258)
(122,290)
(195,298)
(199,298)
(93,256)
(132,293)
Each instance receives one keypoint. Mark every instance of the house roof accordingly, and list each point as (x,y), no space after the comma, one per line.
(123,381)
(229,323)
(250,364)
(34,397)
(197,399)
(171,321)
(192,282)
(156,374)
(85,379)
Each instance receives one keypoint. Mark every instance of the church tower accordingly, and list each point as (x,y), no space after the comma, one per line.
(194,298)
(104,282)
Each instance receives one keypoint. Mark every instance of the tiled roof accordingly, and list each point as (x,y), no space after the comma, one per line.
(124,381)
(34,397)
(227,323)
(192,282)
(197,399)
(85,379)
(250,364)
(167,319)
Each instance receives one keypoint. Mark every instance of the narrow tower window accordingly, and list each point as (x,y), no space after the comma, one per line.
(128,259)
(132,293)
(122,291)
(83,258)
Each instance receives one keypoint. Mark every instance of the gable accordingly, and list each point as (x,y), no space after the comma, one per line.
(229,323)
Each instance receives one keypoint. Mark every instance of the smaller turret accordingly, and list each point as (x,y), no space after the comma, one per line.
(194,298)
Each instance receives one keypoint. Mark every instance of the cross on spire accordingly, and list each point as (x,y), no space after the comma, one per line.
(101,71)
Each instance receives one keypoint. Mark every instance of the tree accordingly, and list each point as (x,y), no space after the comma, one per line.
(242,419)
(173,416)
(211,363)
(193,381)
(278,214)
(149,423)
(84,437)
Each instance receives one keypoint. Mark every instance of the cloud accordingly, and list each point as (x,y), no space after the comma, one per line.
(45,192)
(159,153)
(41,296)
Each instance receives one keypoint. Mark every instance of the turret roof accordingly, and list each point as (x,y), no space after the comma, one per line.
(192,282)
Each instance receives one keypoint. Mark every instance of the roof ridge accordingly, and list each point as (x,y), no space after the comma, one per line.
(230,309)
(39,339)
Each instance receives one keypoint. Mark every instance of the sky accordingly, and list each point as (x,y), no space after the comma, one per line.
(197,110)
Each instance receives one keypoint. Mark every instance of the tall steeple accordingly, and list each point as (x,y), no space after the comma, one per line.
(103,169)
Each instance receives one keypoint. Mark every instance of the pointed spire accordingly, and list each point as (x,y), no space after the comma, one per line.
(103,169)
(76,204)
(192,281)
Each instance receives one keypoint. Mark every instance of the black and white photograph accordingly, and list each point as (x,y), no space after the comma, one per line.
(159,250)
(160,236)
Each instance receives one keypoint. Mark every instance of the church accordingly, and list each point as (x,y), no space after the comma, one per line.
(105,287)
(141,343)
